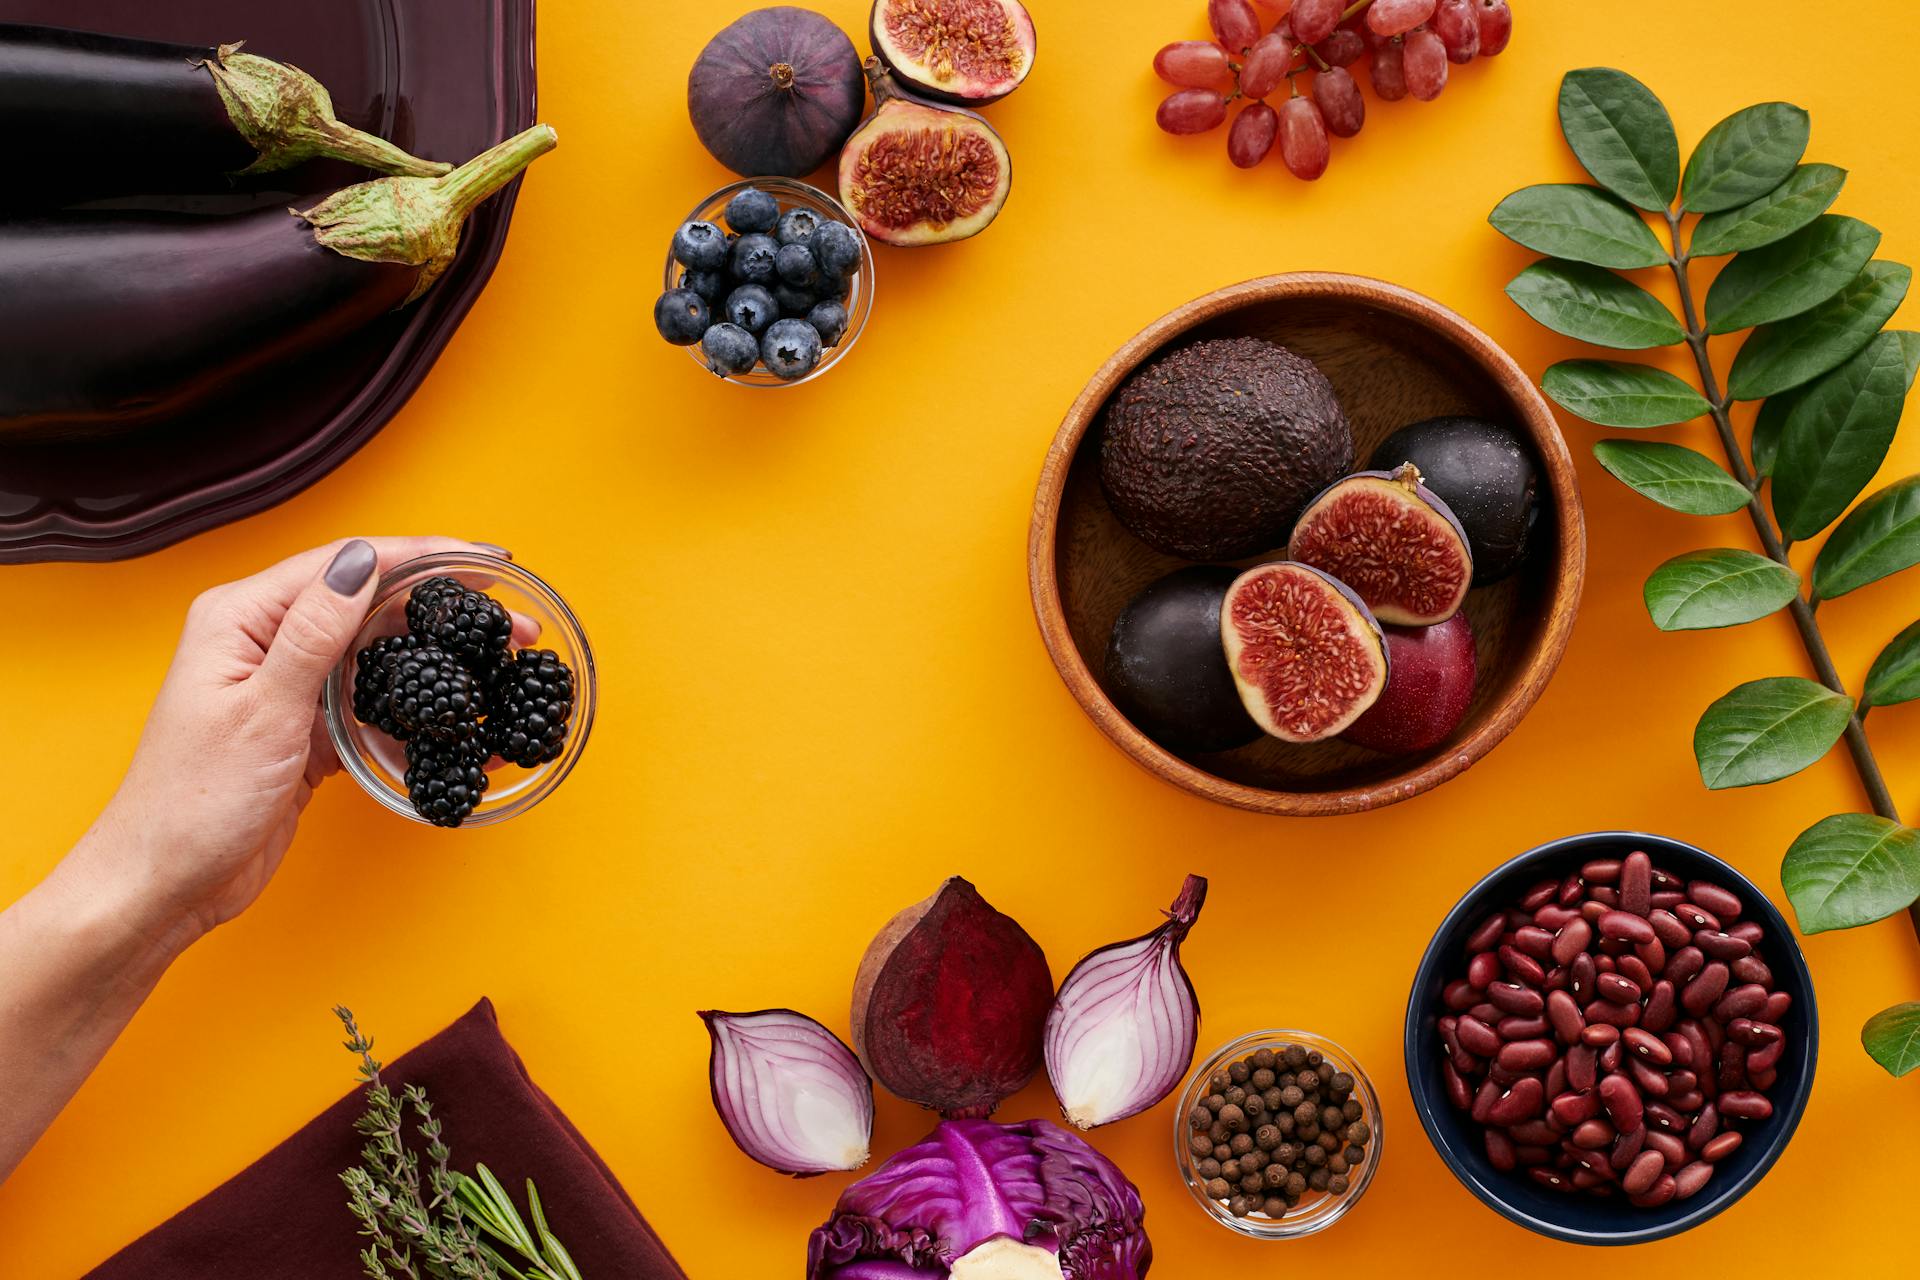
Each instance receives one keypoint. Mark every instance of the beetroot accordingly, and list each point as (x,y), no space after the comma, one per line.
(1428,692)
(776,93)
(950,1004)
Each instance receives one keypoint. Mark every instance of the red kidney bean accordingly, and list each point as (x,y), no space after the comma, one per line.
(1522,967)
(1763,1080)
(1741,1002)
(1722,946)
(1557,1077)
(1691,1178)
(1580,976)
(1534,940)
(1518,1028)
(1599,1035)
(1663,1117)
(1621,1101)
(1592,1134)
(1571,941)
(1636,882)
(1647,1046)
(1600,871)
(1701,1057)
(1691,915)
(1715,899)
(1459,994)
(1705,1125)
(1721,1146)
(1748,932)
(1526,1055)
(1483,969)
(1733,1067)
(1534,1133)
(1540,895)
(1751,969)
(1618,989)
(1511,997)
(1752,1034)
(1764,1058)
(1662,1007)
(1605,895)
(1698,995)
(1665,899)
(1487,1012)
(1457,1091)
(1688,1102)
(1558,978)
(1682,1082)
(1533,1156)
(1591,910)
(1587,1179)
(1486,936)
(1483,1100)
(1671,1148)
(1570,890)
(1582,1066)
(1660,1193)
(1663,879)
(1476,1036)
(1503,1077)
(1625,927)
(1651,1083)
(1565,1016)
(1550,1178)
(1685,963)
(1777,1005)
(1610,1057)
(1553,916)
(1635,968)
(1643,1172)
(1620,1015)
(1627,1146)
(1648,958)
(1572,1108)
(1500,1150)
(1681,1048)
(1668,929)
(1745,1104)
(1522,1102)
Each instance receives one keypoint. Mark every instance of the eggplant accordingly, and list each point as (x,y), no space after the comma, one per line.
(113,319)
(90,115)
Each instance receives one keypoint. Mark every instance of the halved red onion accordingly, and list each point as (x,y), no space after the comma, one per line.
(791,1094)
(1122,1031)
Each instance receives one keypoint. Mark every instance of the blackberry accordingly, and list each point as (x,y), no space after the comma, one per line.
(374,668)
(445,780)
(531,701)
(434,696)
(470,625)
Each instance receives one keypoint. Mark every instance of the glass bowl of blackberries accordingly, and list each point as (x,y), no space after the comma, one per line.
(769,283)
(467,696)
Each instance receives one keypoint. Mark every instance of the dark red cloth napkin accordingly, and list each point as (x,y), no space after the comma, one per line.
(286,1215)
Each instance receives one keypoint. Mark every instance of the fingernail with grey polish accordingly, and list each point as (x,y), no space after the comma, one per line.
(492,550)
(352,567)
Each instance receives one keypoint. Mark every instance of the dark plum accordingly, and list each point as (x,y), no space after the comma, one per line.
(730,349)
(753,210)
(752,308)
(1486,474)
(790,349)
(754,259)
(700,246)
(1167,671)
(1428,691)
(682,316)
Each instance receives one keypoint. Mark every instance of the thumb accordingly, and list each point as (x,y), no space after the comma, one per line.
(318,627)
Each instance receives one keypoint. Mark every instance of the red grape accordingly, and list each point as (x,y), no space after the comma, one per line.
(1192,111)
(1266,66)
(1191,64)
(1252,134)
(1426,65)
(1235,24)
(1496,26)
(1314,20)
(1344,47)
(1276,7)
(1303,139)
(1340,103)
(1457,23)
(1388,71)
(1393,17)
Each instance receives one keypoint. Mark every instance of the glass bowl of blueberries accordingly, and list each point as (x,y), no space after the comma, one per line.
(768,283)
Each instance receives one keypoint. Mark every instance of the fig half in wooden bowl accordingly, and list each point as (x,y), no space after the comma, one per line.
(1134,489)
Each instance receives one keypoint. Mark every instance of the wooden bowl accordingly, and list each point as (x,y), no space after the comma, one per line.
(1394,357)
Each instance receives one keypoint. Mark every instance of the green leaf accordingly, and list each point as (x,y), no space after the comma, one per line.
(1851,869)
(1617,394)
(1583,223)
(1622,135)
(1838,435)
(1672,476)
(1766,730)
(1789,276)
(1778,357)
(1744,157)
(1880,537)
(1767,426)
(1718,588)
(1894,676)
(1803,197)
(1892,1038)
(1593,305)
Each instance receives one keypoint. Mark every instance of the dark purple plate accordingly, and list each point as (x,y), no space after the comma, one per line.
(443,78)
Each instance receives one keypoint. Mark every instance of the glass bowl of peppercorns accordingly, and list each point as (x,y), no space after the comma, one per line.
(1278,1134)
(467,696)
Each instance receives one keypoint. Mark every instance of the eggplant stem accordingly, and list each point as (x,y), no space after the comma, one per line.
(287,116)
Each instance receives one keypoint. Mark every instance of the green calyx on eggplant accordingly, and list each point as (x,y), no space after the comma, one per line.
(918,173)
(969,52)
(776,92)
(1304,650)
(1393,541)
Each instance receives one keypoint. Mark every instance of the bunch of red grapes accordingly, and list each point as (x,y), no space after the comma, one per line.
(1411,43)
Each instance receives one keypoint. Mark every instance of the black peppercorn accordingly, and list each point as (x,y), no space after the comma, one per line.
(1352,1109)
(1237,1206)
(1341,1084)
(1267,1137)
(1222,1152)
(1337,1184)
(1294,1056)
(1208,1169)
(1218,1189)
(1292,1096)
(1275,1175)
(1355,1155)
(1263,1059)
(1316,1155)
(1230,1170)
(1240,1144)
(1303,1113)
(1219,1081)
(1235,1096)
(1329,1142)
(1319,1179)
(1200,1118)
(1272,1098)
(1296,1184)
(1338,1163)
(1252,1183)
(1239,1072)
(1233,1117)
(1262,1078)
(1213,1102)
(1308,1079)
(1273,1206)
(1357,1132)
(1200,1144)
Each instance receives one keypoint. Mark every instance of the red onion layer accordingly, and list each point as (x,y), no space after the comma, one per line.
(791,1095)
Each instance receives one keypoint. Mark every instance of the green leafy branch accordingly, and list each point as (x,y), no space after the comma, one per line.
(412,1234)
(1832,385)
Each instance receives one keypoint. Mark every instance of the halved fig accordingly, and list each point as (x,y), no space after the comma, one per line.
(967,51)
(1392,540)
(918,174)
(1305,653)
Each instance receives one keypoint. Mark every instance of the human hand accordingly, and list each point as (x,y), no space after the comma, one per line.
(235,743)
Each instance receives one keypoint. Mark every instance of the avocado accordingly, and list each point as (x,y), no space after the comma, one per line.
(1211,451)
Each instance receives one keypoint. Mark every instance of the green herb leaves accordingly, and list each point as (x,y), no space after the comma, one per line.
(1803,197)
(1788,276)
(1881,537)
(1585,224)
(1895,674)
(1766,730)
(1838,435)
(1594,305)
(1622,135)
(1723,587)
(1892,1038)
(1616,394)
(1798,349)
(1744,157)
(1673,476)
(1851,869)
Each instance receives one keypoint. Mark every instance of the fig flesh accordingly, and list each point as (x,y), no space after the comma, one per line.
(1427,694)
(1307,656)
(1393,541)
(1485,474)
(1166,669)
(970,52)
(950,1004)
(918,174)
(776,92)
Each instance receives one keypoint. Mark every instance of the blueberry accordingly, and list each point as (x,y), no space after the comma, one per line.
(791,349)
(837,249)
(829,320)
(832,289)
(753,210)
(797,226)
(796,266)
(730,349)
(752,308)
(753,259)
(711,285)
(681,315)
(700,246)
(793,302)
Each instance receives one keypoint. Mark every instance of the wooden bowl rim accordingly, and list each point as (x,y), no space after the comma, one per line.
(1542,657)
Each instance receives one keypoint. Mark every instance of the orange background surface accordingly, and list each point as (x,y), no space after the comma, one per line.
(822,689)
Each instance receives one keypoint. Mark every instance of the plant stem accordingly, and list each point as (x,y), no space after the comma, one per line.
(1801,609)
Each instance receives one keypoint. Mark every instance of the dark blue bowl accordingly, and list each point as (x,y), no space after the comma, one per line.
(1585,1219)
